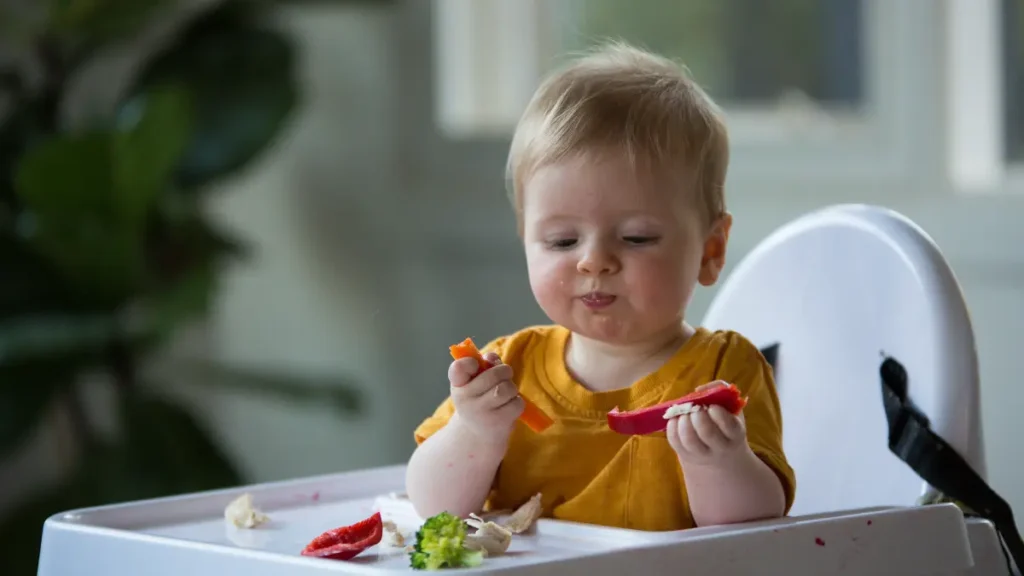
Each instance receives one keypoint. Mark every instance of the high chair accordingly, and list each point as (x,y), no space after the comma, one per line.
(827,297)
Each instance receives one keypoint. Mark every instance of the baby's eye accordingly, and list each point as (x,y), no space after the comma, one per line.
(562,243)
(640,240)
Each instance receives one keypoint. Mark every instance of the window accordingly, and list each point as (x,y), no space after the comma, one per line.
(746,53)
(827,91)
(1013,78)
(984,56)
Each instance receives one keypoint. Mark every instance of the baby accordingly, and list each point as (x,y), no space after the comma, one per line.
(617,170)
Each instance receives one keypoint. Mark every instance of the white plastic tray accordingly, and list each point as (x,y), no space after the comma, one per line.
(187,535)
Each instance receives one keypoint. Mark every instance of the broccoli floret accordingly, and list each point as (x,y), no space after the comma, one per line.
(440,544)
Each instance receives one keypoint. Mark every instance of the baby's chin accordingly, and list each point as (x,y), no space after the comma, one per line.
(611,330)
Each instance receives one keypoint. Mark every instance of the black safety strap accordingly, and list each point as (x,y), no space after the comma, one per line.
(937,463)
(771,355)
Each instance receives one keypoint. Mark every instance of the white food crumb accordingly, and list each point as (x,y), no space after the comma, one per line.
(243,514)
(395,538)
(682,410)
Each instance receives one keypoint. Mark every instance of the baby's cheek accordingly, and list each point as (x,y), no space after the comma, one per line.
(661,285)
(546,280)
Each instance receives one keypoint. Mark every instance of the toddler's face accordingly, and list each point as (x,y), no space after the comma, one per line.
(614,254)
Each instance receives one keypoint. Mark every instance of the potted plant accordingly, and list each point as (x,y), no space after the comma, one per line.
(105,248)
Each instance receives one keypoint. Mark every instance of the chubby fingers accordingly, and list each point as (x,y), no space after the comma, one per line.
(706,429)
(732,427)
(503,393)
(683,438)
(487,381)
(461,371)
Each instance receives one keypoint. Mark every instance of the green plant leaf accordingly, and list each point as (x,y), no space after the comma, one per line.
(69,178)
(88,195)
(185,254)
(40,358)
(27,390)
(24,125)
(96,21)
(242,75)
(30,284)
(175,452)
(154,130)
(49,337)
(335,392)
(11,82)
(313,3)
(167,308)
(67,185)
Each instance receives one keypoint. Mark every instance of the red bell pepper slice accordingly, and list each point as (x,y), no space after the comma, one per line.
(347,542)
(532,416)
(652,419)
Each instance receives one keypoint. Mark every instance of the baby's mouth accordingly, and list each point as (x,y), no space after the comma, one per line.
(597,299)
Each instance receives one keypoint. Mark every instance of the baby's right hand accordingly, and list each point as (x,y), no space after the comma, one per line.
(489,404)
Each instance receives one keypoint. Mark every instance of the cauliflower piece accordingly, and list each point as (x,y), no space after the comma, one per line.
(524,516)
(243,514)
(394,537)
(490,538)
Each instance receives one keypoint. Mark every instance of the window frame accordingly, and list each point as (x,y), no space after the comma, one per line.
(882,147)
(977,109)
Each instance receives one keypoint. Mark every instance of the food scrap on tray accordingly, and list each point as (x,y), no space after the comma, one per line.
(347,542)
(242,513)
(490,538)
(524,516)
(655,418)
(441,543)
(394,536)
(532,416)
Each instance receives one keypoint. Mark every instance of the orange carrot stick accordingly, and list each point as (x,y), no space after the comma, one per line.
(532,416)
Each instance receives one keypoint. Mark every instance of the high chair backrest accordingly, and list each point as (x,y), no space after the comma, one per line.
(835,289)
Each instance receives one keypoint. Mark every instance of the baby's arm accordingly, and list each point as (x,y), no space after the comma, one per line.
(734,466)
(738,489)
(453,471)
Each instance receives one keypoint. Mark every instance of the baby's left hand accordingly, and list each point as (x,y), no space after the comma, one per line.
(708,437)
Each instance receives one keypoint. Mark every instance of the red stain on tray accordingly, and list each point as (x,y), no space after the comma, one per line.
(316,496)
(819,541)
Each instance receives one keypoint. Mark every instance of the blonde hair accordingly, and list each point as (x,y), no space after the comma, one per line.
(623,98)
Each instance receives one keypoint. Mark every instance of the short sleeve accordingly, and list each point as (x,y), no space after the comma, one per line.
(444,412)
(745,366)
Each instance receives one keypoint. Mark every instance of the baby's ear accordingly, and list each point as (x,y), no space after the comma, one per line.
(715,243)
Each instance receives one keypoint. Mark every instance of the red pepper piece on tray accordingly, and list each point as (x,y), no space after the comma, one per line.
(652,419)
(347,541)
(532,416)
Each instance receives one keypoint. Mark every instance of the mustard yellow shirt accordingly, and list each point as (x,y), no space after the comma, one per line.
(586,472)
